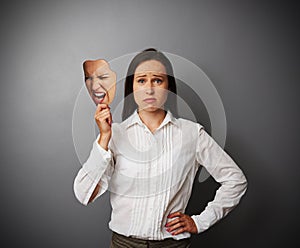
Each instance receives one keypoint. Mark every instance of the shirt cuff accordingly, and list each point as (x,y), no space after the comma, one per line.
(98,161)
(105,155)
(203,221)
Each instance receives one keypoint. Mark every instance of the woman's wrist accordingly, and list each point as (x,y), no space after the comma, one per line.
(104,140)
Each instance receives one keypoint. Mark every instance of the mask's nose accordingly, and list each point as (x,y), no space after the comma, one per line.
(96,84)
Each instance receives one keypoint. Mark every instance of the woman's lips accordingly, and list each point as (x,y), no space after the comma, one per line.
(149,100)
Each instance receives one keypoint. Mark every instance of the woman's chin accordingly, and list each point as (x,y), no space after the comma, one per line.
(152,109)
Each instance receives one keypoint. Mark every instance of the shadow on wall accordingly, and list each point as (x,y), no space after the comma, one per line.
(191,98)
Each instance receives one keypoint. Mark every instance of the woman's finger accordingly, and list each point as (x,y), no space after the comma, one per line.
(101,106)
(103,117)
(173,222)
(181,224)
(110,119)
(176,214)
(180,230)
(175,226)
(103,113)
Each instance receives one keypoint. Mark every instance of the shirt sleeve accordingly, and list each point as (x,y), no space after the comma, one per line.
(98,169)
(226,172)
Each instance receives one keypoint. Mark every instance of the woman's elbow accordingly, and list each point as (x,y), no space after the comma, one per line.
(78,192)
(244,184)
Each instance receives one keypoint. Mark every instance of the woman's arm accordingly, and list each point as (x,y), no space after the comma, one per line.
(93,178)
(99,167)
(103,142)
(225,171)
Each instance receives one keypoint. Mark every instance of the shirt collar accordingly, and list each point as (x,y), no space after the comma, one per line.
(135,119)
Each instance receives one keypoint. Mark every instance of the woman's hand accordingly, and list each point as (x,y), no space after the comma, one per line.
(103,119)
(183,223)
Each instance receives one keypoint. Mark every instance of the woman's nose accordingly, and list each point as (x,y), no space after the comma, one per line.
(149,88)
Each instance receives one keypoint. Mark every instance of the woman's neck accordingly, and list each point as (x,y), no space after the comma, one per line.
(152,119)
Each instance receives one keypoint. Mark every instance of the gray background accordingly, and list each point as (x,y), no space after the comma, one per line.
(249,49)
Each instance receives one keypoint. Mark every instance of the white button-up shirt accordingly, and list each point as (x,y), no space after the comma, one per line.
(150,175)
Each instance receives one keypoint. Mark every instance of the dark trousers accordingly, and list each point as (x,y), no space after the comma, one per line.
(121,241)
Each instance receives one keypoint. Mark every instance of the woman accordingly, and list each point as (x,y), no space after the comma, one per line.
(149,162)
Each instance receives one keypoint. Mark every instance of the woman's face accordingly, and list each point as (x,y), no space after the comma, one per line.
(150,85)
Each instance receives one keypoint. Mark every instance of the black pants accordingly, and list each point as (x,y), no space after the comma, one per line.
(121,241)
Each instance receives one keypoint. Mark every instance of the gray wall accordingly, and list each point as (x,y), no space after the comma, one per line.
(250,51)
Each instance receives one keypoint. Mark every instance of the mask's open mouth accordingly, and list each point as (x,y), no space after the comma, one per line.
(100,95)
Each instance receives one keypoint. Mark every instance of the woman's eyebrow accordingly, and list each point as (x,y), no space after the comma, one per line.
(155,75)
(159,75)
(144,75)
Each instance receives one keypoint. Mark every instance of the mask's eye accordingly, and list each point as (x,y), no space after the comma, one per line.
(102,77)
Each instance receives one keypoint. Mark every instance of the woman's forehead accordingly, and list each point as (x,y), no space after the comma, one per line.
(151,66)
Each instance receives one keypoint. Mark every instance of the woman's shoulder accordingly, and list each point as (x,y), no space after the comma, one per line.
(120,127)
(117,126)
(186,124)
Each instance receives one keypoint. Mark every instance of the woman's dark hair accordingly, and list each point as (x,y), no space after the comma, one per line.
(149,54)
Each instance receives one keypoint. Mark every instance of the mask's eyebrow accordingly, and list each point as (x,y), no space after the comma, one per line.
(99,76)
(104,75)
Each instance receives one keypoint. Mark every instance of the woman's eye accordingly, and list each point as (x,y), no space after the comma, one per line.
(158,81)
(141,81)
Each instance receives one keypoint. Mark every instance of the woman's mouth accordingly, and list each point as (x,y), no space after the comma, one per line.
(149,100)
